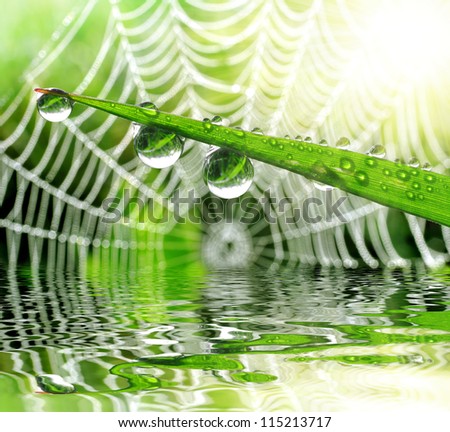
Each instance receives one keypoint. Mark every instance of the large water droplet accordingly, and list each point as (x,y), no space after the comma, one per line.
(157,148)
(50,383)
(377,151)
(228,174)
(54,108)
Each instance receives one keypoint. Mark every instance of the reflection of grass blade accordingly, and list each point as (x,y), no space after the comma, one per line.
(406,188)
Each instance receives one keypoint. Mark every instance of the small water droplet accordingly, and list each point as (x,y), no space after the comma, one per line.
(377,151)
(414,162)
(308,139)
(347,164)
(387,172)
(372,162)
(228,174)
(420,196)
(430,189)
(429,178)
(216,119)
(50,383)
(289,156)
(287,137)
(426,166)
(323,142)
(281,146)
(410,195)
(298,138)
(207,124)
(54,108)
(238,131)
(416,185)
(403,175)
(343,142)
(362,177)
(257,131)
(272,142)
(157,148)
(383,187)
(322,186)
(149,105)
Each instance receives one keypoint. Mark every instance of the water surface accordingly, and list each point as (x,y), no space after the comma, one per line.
(191,340)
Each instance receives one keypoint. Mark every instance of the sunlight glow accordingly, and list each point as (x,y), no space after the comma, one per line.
(410,37)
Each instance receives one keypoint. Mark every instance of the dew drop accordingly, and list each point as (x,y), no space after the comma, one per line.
(402,175)
(227,173)
(383,187)
(238,131)
(414,162)
(289,156)
(426,166)
(343,142)
(54,108)
(157,148)
(387,172)
(323,142)
(416,185)
(207,124)
(257,131)
(377,151)
(298,138)
(347,164)
(430,189)
(216,119)
(281,146)
(322,186)
(429,178)
(50,383)
(410,195)
(272,142)
(362,177)
(137,126)
(372,162)
(420,196)
(308,139)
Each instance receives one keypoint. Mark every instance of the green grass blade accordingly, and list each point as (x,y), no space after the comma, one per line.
(412,190)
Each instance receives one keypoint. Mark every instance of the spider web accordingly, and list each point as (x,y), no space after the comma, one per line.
(288,67)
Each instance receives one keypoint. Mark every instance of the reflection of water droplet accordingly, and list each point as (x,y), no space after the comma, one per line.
(228,174)
(362,177)
(377,151)
(54,108)
(253,377)
(50,383)
(257,131)
(343,142)
(157,148)
(347,164)
(414,162)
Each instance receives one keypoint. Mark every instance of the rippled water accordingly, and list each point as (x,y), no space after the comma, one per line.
(191,340)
